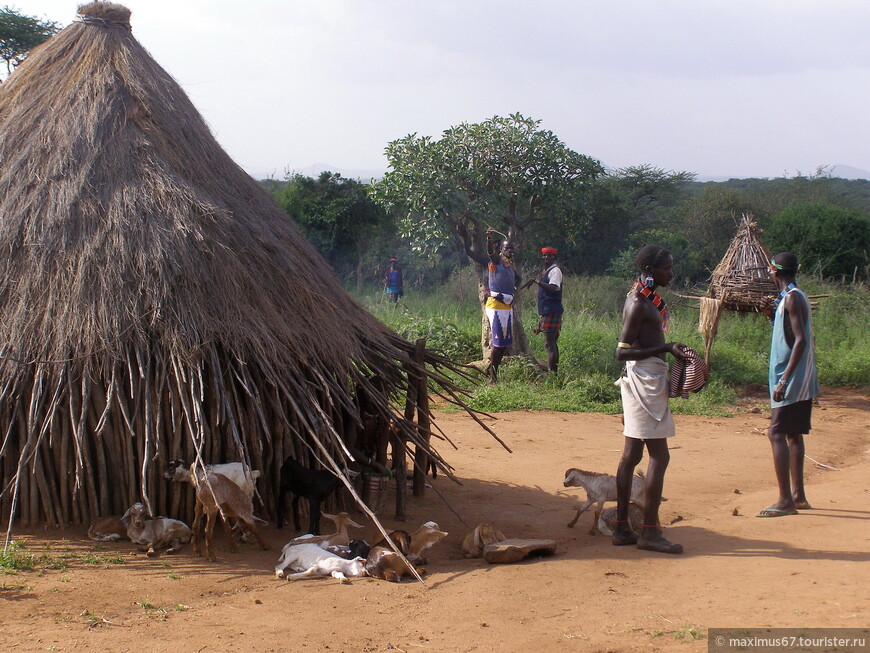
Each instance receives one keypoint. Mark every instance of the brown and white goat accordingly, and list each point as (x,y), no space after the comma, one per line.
(217,494)
(384,563)
(110,528)
(340,537)
(155,533)
(476,540)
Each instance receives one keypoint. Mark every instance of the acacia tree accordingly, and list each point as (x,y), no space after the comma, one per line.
(504,173)
(19,34)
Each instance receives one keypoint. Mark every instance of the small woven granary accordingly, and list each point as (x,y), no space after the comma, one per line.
(155,303)
(739,282)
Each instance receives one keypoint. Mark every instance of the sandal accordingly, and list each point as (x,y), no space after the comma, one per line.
(660,545)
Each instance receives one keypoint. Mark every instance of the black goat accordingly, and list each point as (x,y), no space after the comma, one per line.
(313,484)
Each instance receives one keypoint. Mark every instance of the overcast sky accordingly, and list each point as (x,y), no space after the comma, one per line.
(762,88)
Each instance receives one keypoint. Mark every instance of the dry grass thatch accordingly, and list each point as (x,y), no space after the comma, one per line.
(742,279)
(739,283)
(154,302)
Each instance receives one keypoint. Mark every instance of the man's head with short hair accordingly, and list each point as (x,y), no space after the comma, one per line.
(785,262)
(651,256)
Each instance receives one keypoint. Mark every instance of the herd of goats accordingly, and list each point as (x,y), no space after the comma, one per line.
(227,491)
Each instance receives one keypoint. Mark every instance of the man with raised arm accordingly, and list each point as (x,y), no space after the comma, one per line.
(502,280)
(644,388)
(793,386)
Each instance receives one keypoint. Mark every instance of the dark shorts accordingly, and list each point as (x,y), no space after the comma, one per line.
(793,419)
(551,322)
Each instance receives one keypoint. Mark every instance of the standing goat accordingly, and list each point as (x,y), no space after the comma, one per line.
(216,494)
(313,484)
(599,489)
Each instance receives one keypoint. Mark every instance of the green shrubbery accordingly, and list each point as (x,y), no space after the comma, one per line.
(449,318)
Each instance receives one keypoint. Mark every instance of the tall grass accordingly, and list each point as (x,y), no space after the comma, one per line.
(449,318)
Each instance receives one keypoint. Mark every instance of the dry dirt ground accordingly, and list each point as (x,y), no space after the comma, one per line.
(808,570)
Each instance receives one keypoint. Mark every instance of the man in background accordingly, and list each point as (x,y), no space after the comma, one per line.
(393,281)
(549,305)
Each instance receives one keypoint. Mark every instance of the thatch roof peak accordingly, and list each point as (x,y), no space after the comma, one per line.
(106,13)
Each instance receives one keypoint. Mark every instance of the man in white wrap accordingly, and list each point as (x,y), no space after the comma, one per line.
(644,388)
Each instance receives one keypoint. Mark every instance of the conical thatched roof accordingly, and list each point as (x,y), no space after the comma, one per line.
(742,279)
(154,301)
(739,282)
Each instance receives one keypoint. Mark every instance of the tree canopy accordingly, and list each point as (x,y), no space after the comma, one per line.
(504,173)
(19,34)
(339,219)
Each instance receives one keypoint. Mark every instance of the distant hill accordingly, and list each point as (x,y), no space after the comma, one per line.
(848,172)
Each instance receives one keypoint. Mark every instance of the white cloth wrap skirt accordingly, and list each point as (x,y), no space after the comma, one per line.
(644,389)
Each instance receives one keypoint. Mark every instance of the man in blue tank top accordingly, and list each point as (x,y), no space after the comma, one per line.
(549,305)
(793,385)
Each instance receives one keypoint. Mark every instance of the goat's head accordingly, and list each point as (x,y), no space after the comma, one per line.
(341,520)
(570,478)
(425,536)
(176,470)
(359,548)
(136,515)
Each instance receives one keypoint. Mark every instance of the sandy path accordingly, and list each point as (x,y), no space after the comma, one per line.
(810,570)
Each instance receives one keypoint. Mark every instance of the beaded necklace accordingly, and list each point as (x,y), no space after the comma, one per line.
(783,293)
(657,301)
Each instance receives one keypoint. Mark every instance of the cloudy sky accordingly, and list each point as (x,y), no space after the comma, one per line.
(741,88)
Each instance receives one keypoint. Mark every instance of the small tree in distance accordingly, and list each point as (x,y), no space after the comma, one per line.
(504,173)
(19,34)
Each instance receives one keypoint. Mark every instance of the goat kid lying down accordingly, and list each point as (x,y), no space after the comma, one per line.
(310,560)
(155,533)
(110,528)
(382,562)
(600,488)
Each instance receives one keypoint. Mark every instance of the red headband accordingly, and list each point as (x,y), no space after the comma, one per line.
(549,250)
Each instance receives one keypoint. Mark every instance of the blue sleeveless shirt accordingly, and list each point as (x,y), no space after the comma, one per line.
(803,384)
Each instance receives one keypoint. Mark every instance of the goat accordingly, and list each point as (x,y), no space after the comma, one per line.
(310,560)
(155,532)
(339,538)
(482,535)
(238,473)
(599,489)
(109,529)
(215,493)
(382,562)
(607,520)
(351,550)
(313,484)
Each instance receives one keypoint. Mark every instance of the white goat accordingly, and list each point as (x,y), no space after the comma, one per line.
(310,560)
(599,489)
(155,532)
(238,473)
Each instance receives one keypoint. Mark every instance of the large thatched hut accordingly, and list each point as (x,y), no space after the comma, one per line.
(154,302)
